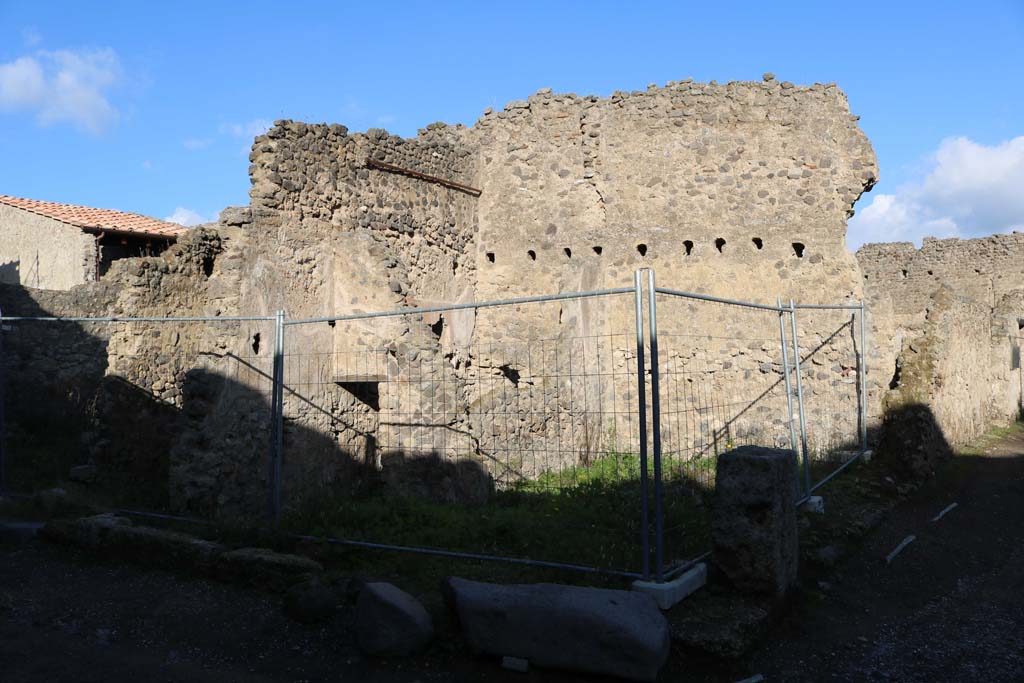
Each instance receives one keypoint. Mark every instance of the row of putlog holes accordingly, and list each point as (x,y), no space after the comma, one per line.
(798,249)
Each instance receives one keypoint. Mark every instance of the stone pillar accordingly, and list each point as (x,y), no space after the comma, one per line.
(753,524)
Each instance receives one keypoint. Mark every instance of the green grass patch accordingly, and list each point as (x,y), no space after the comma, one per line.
(584,515)
(985,442)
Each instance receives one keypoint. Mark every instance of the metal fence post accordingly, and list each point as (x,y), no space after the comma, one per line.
(800,399)
(279,451)
(3,424)
(276,413)
(659,525)
(863,380)
(785,373)
(642,407)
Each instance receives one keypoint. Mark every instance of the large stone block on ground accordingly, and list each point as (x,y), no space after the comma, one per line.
(120,537)
(390,622)
(610,632)
(753,523)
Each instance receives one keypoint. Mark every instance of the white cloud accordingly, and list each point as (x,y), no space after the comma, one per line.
(63,86)
(969,190)
(193,144)
(246,130)
(147,165)
(188,217)
(22,83)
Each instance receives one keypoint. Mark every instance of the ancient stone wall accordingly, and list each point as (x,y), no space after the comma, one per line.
(983,270)
(338,236)
(691,179)
(740,189)
(952,316)
(122,396)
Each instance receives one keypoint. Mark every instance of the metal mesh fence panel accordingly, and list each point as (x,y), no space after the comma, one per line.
(162,415)
(830,344)
(721,388)
(505,430)
(1017,367)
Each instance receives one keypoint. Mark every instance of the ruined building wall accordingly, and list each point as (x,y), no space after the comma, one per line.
(576,193)
(983,270)
(690,162)
(344,238)
(739,190)
(127,398)
(956,307)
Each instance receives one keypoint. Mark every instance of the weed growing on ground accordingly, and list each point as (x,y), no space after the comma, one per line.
(982,444)
(584,515)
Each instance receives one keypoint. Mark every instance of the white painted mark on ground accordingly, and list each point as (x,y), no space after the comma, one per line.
(903,544)
(943,513)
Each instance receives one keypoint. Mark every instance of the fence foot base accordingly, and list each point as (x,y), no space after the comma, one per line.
(814,504)
(515,664)
(670,593)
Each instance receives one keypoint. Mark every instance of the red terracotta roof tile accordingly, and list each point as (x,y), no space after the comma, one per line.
(97,219)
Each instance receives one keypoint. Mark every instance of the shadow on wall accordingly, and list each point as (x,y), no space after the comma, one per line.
(51,377)
(911,441)
(205,453)
(10,273)
(729,432)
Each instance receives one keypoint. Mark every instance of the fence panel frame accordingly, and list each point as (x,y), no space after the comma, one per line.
(641,381)
(644,338)
(669,573)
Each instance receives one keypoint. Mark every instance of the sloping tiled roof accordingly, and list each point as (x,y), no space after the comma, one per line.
(97,219)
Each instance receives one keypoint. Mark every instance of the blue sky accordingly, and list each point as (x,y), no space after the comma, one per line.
(151,107)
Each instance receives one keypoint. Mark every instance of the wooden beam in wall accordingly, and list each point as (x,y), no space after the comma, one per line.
(380,165)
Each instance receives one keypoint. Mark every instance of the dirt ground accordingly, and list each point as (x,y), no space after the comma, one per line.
(949,607)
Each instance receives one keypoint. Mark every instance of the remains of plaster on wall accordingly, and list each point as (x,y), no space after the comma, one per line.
(588,147)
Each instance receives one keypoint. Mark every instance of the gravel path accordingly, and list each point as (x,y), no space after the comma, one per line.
(950,605)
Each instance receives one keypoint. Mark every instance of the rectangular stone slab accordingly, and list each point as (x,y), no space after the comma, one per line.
(595,630)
